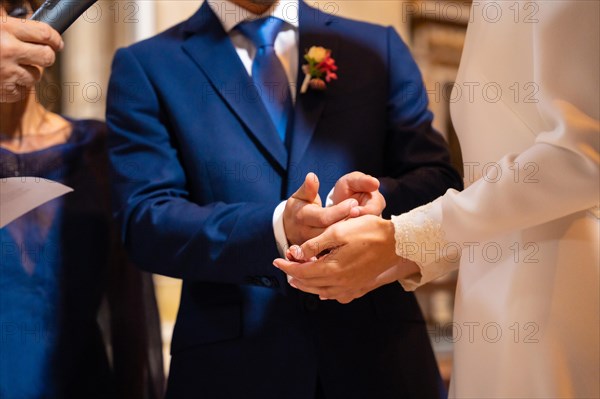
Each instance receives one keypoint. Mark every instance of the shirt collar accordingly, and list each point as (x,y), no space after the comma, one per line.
(230,14)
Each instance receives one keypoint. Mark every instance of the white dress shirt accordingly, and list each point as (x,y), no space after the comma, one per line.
(286,42)
(286,48)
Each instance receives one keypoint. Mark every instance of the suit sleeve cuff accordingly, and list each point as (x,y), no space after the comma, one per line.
(279,230)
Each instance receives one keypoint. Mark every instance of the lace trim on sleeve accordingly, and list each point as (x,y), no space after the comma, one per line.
(420,238)
(416,232)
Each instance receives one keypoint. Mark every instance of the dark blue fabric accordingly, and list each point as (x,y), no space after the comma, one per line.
(198,170)
(52,275)
(267,71)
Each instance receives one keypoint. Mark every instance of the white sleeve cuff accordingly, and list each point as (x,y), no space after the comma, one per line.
(329,200)
(279,230)
(420,238)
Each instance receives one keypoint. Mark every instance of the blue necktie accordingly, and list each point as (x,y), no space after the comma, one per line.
(267,72)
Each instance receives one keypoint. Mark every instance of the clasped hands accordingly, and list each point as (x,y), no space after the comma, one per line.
(345,250)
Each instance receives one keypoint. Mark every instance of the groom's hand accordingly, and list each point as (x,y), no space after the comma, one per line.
(363,188)
(304,216)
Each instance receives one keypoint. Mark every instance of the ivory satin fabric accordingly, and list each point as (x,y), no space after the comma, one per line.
(525,236)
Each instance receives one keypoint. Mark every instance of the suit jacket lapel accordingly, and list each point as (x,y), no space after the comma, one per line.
(313,31)
(211,49)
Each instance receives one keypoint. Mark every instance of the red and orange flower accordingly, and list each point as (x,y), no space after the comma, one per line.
(320,69)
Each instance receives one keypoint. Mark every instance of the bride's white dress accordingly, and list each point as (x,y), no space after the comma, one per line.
(525,236)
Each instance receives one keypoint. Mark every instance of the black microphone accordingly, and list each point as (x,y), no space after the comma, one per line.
(60,14)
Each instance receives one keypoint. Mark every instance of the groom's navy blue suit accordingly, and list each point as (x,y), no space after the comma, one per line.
(198,171)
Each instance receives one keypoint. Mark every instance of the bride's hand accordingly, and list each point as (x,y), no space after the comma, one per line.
(347,260)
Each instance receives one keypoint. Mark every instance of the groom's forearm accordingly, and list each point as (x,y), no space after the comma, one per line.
(417,188)
(223,243)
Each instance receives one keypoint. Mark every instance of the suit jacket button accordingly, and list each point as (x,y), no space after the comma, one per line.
(311,303)
(266,281)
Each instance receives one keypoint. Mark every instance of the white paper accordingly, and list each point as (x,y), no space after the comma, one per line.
(19,195)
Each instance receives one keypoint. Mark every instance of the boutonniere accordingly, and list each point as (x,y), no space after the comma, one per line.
(320,69)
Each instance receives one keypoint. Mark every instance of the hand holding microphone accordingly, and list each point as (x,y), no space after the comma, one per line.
(26,46)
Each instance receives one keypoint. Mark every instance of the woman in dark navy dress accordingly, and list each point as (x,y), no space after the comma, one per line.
(60,263)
